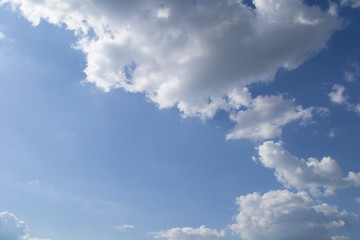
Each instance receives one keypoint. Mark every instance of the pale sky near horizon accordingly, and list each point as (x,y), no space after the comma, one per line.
(179,120)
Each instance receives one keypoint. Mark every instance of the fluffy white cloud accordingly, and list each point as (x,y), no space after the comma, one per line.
(2,36)
(11,228)
(188,233)
(188,54)
(264,117)
(338,96)
(324,176)
(286,215)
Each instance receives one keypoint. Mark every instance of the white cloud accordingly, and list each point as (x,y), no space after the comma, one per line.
(2,36)
(357,108)
(35,182)
(352,3)
(332,133)
(125,226)
(188,233)
(188,54)
(351,76)
(286,215)
(319,177)
(11,228)
(265,116)
(338,96)
(340,238)
(353,73)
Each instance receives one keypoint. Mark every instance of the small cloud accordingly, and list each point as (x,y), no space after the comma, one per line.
(358,200)
(357,108)
(353,73)
(265,116)
(332,133)
(35,182)
(125,226)
(337,95)
(2,36)
(188,233)
(340,238)
(163,12)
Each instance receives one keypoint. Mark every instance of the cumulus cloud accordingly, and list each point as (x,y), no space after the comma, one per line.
(337,95)
(264,117)
(188,233)
(319,177)
(11,228)
(193,55)
(285,215)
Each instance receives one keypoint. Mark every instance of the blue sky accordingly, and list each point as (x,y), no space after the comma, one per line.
(179,120)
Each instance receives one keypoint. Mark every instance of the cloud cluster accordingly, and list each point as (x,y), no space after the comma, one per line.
(193,54)
(11,228)
(188,233)
(319,177)
(285,215)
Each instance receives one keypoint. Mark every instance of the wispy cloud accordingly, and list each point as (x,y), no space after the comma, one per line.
(124,227)
(188,233)
(352,3)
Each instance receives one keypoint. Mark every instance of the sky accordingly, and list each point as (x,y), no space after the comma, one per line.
(179,120)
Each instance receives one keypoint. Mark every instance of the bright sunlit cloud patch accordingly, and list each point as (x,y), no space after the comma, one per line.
(188,54)
(188,233)
(285,215)
(318,176)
